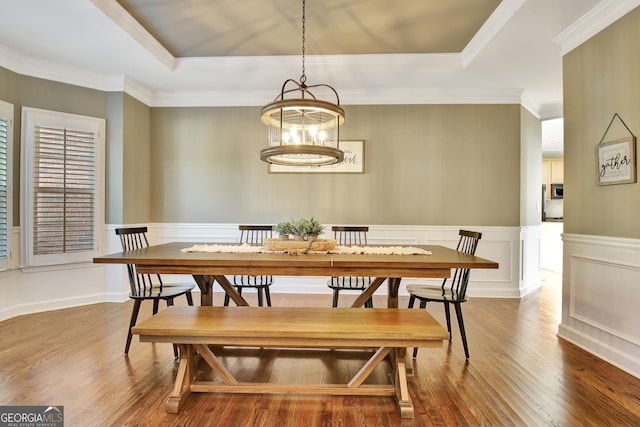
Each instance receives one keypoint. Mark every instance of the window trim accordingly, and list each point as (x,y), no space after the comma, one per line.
(7,111)
(31,118)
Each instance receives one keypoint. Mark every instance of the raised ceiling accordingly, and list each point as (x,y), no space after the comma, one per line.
(197,28)
(239,52)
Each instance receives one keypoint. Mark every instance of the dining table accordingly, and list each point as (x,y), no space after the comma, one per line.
(385,263)
(429,261)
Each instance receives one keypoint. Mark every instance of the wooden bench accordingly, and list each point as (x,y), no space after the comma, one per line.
(195,329)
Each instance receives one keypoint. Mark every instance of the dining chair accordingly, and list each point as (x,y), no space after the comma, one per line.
(254,235)
(350,235)
(147,286)
(452,291)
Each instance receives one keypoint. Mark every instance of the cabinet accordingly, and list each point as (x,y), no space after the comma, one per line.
(552,173)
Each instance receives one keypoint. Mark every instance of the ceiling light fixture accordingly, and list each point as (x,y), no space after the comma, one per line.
(303,130)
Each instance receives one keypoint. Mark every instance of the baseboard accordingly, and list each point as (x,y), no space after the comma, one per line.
(624,361)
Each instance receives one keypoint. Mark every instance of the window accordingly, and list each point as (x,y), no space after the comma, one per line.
(6,145)
(62,186)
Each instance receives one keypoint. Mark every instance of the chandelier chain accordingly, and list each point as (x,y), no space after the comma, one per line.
(303,78)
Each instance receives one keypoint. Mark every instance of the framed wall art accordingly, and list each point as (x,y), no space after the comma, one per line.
(617,161)
(353,162)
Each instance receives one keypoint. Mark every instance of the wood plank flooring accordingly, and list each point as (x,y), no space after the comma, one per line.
(520,373)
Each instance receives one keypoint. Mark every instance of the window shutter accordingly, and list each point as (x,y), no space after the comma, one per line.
(64,191)
(62,186)
(4,190)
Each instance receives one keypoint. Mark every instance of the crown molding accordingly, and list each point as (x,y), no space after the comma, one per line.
(551,111)
(129,25)
(32,67)
(592,22)
(503,13)
(137,90)
(348,97)
(443,95)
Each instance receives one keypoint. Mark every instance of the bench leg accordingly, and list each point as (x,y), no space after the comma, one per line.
(371,364)
(216,365)
(182,386)
(405,405)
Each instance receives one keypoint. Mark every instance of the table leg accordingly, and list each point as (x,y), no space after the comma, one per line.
(368,293)
(231,291)
(205,283)
(393,284)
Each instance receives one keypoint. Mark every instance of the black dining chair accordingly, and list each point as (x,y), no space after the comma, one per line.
(452,291)
(254,235)
(147,286)
(350,235)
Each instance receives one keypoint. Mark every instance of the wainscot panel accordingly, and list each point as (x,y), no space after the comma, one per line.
(600,295)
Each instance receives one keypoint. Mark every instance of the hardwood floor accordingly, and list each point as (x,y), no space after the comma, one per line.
(519,374)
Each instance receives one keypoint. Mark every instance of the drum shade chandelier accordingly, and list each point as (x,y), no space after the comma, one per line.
(303,130)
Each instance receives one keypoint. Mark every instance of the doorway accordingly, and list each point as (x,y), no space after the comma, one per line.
(553,175)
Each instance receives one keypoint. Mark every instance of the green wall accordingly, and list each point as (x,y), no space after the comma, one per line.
(137,161)
(424,164)
(530,169)
(25,91)
(600,79)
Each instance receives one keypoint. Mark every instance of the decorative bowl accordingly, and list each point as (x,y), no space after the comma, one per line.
(296,245)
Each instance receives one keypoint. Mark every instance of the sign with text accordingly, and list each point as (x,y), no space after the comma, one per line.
(32,416)
(353,162)
(617,161)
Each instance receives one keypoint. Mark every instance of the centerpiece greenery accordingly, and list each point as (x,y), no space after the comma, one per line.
(284,229)
(302,229)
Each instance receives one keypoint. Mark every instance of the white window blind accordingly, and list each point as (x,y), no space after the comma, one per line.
(6,139)
(64,186)
(64,199)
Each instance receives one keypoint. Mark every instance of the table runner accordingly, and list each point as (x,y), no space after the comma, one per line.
(340,249)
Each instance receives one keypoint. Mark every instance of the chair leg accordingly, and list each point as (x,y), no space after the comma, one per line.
(369,303)
(447,313)
(335,298)
(423,304)
(175,347)
(267,295)
(155,306)
(226,299)
(189,298)
(132,323)
(458,307)
(259,290)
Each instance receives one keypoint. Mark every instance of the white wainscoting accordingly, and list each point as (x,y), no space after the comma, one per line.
(24,291)
(501,244)
(601,290)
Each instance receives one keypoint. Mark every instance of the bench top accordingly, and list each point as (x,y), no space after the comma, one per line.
(293,326)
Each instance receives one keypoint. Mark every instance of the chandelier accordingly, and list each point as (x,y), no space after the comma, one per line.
(303,130)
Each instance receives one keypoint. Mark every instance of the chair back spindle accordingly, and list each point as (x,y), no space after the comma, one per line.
(349,236)
(467,244)
(132,239)
(254,235)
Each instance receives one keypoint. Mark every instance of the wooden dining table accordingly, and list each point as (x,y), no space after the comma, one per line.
(209,267)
